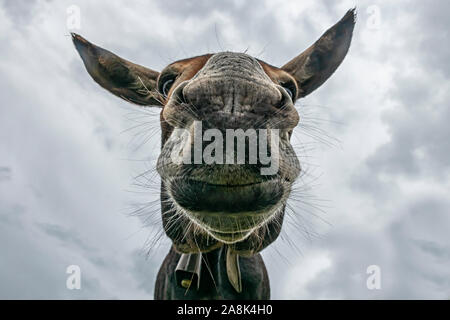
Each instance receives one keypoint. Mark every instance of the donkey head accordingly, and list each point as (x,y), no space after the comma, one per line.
(224,98)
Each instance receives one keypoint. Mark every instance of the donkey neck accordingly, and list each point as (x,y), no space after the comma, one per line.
(214,282)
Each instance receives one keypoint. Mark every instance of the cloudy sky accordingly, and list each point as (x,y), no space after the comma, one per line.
(373,140)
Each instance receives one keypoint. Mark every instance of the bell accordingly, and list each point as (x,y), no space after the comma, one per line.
(187,272)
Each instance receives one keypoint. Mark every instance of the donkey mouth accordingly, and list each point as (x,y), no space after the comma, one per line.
(228,212)
(202,197)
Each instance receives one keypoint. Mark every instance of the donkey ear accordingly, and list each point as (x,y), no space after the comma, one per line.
(317,63)
(129,81)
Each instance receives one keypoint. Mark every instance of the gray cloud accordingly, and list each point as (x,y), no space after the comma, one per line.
(66,147)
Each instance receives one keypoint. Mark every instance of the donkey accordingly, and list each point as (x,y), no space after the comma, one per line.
(219,216)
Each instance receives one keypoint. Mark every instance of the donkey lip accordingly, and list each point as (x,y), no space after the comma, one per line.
(214,201)
(227,213)
(230,237)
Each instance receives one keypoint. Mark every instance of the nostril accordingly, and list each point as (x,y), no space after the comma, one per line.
(178,93)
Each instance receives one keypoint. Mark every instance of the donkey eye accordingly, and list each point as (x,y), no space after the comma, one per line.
(166,87)
(289,92)
(165,83)
(291,89)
